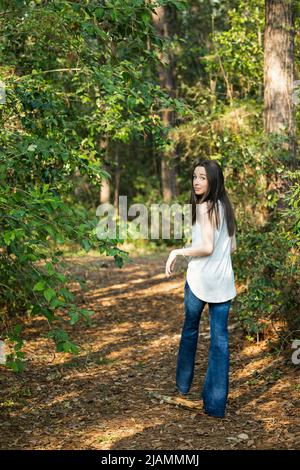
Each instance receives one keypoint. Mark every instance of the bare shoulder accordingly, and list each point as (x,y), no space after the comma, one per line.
(205,207)
(205,216)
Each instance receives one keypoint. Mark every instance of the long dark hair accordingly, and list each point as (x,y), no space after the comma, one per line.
(216,190)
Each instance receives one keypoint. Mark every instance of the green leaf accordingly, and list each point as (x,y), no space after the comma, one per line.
(99,13)
(49,294)
(59,238)
(86,244)
(60,277)
(50,268)
(49,229)
(145,18)
(17,365)
(74,316)
(39,286)
(8,237)
(49,315)
(66,294)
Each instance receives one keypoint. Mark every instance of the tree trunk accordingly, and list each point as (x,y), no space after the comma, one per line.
(117,179)
(162,23)
(105,183)
(105,190)
(279,71)
(278,85)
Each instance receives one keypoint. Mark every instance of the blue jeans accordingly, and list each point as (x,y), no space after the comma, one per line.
(216,384)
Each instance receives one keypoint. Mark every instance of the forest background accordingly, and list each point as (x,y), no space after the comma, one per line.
(120,97)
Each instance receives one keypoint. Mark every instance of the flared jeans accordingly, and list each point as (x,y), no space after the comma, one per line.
(216,383)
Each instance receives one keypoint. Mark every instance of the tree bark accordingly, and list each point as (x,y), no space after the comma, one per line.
(117,179)
(105,188)
(278,86)
(279,71)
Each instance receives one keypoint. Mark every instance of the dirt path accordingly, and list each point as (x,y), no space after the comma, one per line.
(115,394)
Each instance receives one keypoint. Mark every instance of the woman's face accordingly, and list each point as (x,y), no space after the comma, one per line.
(200,182)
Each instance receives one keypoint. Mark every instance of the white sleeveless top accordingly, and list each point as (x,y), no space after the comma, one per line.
(211,278)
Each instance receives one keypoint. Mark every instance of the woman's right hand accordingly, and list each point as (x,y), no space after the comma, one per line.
(170,263)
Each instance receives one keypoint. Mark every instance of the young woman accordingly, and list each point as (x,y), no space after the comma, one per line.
(209,279)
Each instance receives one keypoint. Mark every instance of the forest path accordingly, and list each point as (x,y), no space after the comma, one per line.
(119,392)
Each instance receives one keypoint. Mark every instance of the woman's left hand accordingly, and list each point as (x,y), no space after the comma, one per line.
(170,263)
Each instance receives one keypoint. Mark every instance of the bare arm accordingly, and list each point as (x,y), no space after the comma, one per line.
(207,239)
(233,243)
(206,246)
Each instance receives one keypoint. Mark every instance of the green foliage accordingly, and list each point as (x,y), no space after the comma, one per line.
(237,54)
(62,341)
(86,90)
(69,87)
(15,360)
(269,267)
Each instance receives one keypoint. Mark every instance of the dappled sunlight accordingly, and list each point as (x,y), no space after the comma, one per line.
(252,367)
(253,349)
(162,288)
(101,398)
(121,123)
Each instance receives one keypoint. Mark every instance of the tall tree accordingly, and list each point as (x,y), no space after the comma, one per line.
(105,191)
(105,186)
(279,71)
(117,176)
